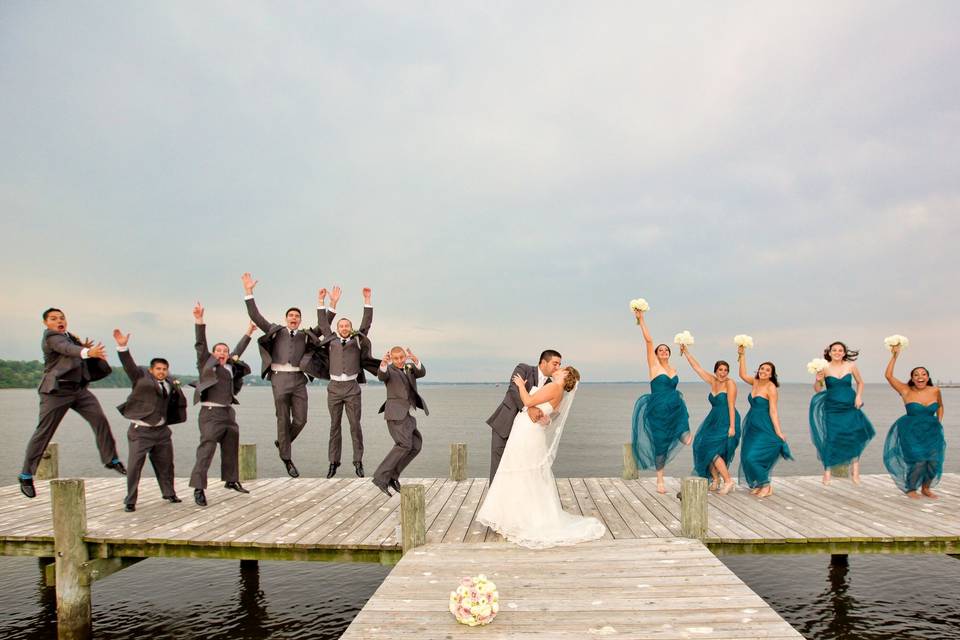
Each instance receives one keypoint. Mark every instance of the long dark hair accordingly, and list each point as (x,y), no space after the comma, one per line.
(773,373)
(911,383)
(848,354)
(718,363)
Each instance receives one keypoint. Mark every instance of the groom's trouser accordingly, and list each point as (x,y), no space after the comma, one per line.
(497,445)
(290,400)
(407,444)
(340,396)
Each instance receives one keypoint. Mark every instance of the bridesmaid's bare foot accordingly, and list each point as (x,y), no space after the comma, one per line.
(756,490)
(855,478)
(727,487)
(826,477)
(660,487)
(930,494)
(714,485)
(913,494)
(765,491)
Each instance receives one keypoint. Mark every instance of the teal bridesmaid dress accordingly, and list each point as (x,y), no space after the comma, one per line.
(660,421)
(760,448)
(840,431)
(712,441)
(914,450)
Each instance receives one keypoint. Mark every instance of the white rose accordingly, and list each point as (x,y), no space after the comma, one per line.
(742,340)
(683,337)
(816,365)
(895,340)
(640,304)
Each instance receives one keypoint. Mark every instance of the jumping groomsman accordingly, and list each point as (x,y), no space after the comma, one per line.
(286,354)
(69,365)
(221,379)
(348,354)
(400,378)
(154,404)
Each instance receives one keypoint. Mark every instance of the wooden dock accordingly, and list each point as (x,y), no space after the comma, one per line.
(348,519)
(638,588)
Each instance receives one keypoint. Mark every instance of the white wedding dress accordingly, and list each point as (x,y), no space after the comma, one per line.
(522,503)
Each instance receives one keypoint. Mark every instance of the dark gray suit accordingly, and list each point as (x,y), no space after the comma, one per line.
(402,396)
(289,387)
(501,422)
(218,425)
(150,403)
(346,357)
(64,387)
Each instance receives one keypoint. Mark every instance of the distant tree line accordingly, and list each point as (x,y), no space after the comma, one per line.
(26,374)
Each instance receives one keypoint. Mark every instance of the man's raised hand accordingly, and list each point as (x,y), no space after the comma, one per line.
(198,313)
(335,295)
(121,339)
(97,351)
(321,296)
(248,283)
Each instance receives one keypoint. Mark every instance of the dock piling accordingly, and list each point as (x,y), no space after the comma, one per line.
(629,463)
(74,615)
(49,467)
(693,508)
(458,461)
(413,527)
(248,462)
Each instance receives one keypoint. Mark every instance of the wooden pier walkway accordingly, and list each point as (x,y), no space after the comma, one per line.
(639,588)
(350,520)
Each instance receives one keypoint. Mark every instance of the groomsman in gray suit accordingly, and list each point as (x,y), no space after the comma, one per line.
(155,403)
(221,379)
(400,378)
(286,354)
(348,354)
(69,365)
(501,422)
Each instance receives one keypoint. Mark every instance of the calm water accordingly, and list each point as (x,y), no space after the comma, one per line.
(876,597)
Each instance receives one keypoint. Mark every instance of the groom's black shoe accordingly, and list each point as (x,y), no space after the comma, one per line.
(394,484)
(199,497)
(382,487)
(358,467)
(236,486)
(291,469)
(332,471)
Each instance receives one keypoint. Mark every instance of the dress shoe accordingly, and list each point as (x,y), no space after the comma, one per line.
(276,443)
(382,487)
(117,466)
(332,471)
(172,499)
(27,488)
(291,469)
(394,484)
(358,467)
(199,497)
(129,508)
(236,486)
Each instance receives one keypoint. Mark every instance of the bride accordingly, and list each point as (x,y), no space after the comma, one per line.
(522,503)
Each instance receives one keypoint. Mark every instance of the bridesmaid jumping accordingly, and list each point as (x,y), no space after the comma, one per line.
(660,418)
(719,434)
(914,450)
(763,442)
(839,429)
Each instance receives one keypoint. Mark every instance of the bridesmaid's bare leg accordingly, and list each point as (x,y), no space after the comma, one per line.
(661,488)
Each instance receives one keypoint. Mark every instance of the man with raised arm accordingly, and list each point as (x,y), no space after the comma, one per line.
(400,378)
(348,354)
(155,403)
(221,379)
(286,354)
(69,365)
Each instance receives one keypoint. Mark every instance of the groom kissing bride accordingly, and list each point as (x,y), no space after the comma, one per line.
(522,503)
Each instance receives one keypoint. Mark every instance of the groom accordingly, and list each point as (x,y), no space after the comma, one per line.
(501,422)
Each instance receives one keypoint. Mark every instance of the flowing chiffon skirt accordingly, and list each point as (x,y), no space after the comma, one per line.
(660,421)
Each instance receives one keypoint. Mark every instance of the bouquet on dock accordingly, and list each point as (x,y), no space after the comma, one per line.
(816,365)
(475,602)
(896,340)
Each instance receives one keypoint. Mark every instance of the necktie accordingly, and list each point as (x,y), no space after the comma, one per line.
(548,380)
(343,342)
(163,390)
(292,333)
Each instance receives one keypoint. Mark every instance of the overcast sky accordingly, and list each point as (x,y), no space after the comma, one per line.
(505,176)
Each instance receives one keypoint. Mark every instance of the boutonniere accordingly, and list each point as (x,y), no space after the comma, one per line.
(408,367)
(236,358)
(176,383)
(354,333)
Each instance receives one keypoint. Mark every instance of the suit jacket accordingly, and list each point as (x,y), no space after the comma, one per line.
(401,391)
(206,364)
(502,419)
(61,360)
(360,341)
(308,363)
(146,398)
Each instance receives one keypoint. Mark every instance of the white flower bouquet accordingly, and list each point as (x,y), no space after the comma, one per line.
(640,304)
(742,340)
(896,340)
(683,338)
(816,365)
(475,602)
